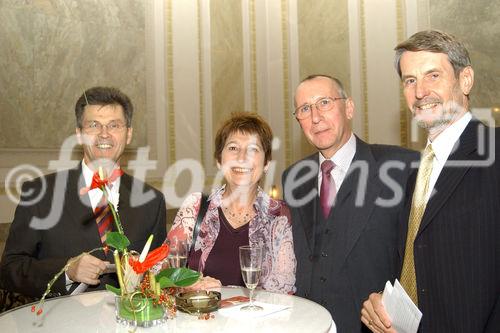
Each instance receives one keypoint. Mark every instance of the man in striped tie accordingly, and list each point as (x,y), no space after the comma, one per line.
(43,239)
(449,247)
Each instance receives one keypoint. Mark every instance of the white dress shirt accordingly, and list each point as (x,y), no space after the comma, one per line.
(442,146)
(342,159)
(96,194)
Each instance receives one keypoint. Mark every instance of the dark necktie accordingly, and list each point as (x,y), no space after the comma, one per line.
(328,190)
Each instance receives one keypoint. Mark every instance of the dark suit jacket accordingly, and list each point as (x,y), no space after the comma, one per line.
(342,260)
(457,248)
(33,256)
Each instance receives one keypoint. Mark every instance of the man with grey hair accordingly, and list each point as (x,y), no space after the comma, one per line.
(344,202)
(449,244)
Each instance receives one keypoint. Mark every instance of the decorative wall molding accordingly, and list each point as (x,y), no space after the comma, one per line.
(404,134)
(156,88)
(364,71)
(169,57)
(357,57)
(205,46)
(253,57)
(382,82)
(248,74)
(287,142)
(293,78)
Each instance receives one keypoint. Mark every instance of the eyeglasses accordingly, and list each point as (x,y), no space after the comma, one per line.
(95,127)
(322,105)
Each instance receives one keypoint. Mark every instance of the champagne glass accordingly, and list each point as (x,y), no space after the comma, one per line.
(251,264)
(178,254)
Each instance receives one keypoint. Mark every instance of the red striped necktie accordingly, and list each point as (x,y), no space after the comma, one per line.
(104,218)
(102,212)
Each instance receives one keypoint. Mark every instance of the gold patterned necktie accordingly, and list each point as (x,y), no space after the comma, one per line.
(408,276)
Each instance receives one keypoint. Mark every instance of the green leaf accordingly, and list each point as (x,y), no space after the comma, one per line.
(177,277)
(117,240)
(115,290)
(165,282)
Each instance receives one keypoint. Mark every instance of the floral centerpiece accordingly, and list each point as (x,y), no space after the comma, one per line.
(146,291)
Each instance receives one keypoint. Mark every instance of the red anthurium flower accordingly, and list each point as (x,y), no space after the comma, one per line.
(97,182)
(152,258)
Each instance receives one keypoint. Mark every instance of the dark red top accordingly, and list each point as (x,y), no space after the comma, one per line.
(223,262)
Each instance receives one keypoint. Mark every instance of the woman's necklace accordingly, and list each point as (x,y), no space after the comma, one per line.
(239,217)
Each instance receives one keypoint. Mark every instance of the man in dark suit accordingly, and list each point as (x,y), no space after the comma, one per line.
(55,220)
(344,233)
(450,252)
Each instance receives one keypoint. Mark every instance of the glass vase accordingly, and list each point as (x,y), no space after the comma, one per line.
(138,310)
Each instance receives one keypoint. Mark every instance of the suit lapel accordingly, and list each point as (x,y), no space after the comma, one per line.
(405,212)
(76,205)
(351,222)
(308,211)
(451,176)
(124,202)
(79,208)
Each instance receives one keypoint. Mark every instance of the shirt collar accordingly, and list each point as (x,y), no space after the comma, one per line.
(88,174)
(343,157)
(445,141)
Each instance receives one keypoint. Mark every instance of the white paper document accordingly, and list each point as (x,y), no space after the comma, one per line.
(267,309)
(80,289)
(405,315)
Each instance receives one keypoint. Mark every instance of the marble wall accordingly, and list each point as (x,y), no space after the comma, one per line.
(54,49)
(323,42)
(227,61)
(477,25)
(50,51)
(187,64)
(324,39)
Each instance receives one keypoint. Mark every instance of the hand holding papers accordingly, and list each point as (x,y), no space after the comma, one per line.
(405,315)
(110,268)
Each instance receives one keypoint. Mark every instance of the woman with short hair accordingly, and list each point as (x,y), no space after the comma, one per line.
(240,212)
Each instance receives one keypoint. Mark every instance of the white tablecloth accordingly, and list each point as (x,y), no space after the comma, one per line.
(95,312)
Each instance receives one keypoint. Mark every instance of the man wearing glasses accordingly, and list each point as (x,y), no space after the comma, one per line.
(344,202)
(36,251)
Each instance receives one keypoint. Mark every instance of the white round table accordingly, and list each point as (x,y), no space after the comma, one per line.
(95,312)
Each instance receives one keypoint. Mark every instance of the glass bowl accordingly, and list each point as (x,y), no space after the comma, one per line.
(196,302)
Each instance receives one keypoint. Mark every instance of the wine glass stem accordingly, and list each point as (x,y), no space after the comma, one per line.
(251,296)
